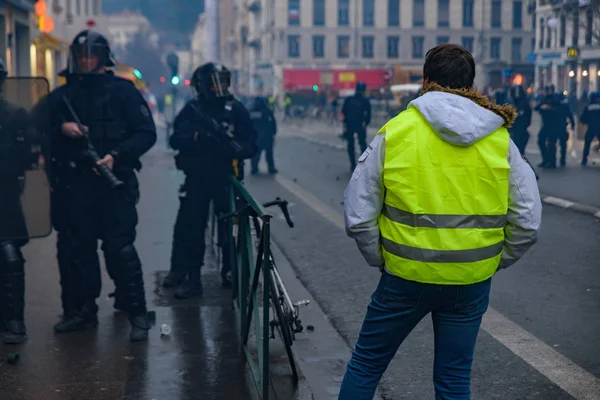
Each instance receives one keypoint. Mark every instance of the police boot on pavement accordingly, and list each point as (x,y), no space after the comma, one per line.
(591,118)
(210,133)
(357,116)
(102,126)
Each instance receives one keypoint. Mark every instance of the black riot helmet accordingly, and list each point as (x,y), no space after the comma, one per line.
(89,53)
(211,81)
(361,87)
(549,90)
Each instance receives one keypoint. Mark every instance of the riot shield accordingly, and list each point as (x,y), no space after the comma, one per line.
(24,159)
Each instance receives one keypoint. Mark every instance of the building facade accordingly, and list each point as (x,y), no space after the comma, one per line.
(16,33)
(376,40)
(568,45)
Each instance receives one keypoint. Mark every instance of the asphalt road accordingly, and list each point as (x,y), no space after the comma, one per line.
(540,339)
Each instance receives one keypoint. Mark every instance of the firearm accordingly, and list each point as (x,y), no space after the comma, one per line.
(91,154)
(221,131)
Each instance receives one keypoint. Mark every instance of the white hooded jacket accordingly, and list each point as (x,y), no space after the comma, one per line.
(462,122)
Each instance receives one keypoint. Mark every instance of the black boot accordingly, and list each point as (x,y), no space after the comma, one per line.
(86,318)
(174,279)
(191,287)
(12,266)
(140,325)
(14,332)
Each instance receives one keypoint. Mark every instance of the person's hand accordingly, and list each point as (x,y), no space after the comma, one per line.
(71,130)
(108,160)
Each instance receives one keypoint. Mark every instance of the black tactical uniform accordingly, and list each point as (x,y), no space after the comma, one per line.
(548,108)
(564,114)
(518,131)
(14,123)
(357,115)
(265,126)
(209,133)
(120,127)
(591,118)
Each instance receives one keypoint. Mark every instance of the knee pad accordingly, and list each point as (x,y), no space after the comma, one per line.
(10,253)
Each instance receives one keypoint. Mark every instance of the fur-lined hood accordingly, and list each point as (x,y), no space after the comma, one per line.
(461,116)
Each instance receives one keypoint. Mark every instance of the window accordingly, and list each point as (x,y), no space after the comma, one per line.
(467,43)
(78,7)
(393,46)
(549,38)
(96,7)
(575,38)
(367,46)
(443,13)
(516,49)
(294,46)
(343,12)
(294,12)
(69,7)
(542,31)
(419,13)
(393,12)
(589,25)
(496,14)
(86,5)
(533,45)
(562,35)
(418,43)
(343,46)
(468,13)
(318,46)
(318,12)
(517,14)
(368,12)
(495,48)
(443,40)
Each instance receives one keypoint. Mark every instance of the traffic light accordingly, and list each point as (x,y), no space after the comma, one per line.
(315,88)
(163,79)
(137,74)
(175,80)
(173,63)
(187,82)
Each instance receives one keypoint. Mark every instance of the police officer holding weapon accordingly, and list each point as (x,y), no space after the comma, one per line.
(102,127)
(210,133)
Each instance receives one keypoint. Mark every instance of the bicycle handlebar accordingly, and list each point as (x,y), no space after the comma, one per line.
(283,205)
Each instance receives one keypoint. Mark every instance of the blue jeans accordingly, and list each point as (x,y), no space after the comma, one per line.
(396,307)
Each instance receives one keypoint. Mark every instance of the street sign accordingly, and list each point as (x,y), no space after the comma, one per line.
(572,52)
(531,57)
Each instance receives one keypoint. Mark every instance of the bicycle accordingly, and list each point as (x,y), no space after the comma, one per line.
(286,319)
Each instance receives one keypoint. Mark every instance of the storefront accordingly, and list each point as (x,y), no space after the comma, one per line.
(342,81)
(48,57)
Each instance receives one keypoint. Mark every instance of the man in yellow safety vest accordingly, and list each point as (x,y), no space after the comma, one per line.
(439,202)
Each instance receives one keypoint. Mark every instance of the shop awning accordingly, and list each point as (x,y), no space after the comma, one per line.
(48,41)
(304,79)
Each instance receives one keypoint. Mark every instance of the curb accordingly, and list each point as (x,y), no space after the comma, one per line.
(321,353)
(571,205)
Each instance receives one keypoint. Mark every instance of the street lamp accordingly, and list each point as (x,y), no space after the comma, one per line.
(571,73)
(584,73)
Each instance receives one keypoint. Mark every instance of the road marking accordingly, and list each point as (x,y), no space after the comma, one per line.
(559,369)
(556,201)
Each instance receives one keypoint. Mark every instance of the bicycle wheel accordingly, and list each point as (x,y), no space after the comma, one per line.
(282,324)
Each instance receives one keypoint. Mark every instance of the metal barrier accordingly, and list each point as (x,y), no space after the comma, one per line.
(252,301)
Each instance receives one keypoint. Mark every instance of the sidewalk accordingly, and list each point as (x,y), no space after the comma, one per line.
(201,358)
(572,183)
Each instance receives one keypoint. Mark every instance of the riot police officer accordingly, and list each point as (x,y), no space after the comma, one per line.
(518,131)
(265,126)
(591,118)
(563,114)
(357,116)
(118,125)
(14,123)
(210,133)
(548,107)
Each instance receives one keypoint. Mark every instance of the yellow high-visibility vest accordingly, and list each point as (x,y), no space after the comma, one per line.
(445,206)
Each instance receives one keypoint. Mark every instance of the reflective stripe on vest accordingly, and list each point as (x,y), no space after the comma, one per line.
(445,206)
